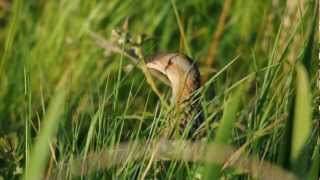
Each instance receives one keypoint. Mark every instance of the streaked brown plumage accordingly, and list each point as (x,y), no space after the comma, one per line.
(182,74)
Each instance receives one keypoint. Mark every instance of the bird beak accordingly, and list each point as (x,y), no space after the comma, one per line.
(158,71)
(153,65)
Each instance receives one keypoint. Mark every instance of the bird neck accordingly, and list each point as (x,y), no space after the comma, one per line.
(183,88)
(187,103)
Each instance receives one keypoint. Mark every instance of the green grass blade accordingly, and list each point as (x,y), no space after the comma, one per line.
(302,121)
(40,150)
(11,32)
(225,129)
(314,172)
(181,29)
(308,51)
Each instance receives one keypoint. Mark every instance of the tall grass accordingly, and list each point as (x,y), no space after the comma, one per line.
(62,98)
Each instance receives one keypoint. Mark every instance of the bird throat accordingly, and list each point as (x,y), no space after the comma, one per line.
(184,87)
(181,92)
(187,103)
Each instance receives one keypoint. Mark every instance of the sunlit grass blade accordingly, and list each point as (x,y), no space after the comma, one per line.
(302,121)
(223,135)
(40,149)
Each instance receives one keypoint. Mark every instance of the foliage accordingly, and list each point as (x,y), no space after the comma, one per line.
(54,77)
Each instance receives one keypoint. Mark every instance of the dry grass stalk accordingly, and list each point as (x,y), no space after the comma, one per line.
(213,49)
(161,150)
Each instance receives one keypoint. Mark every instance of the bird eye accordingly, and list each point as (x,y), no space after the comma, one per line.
(168,64)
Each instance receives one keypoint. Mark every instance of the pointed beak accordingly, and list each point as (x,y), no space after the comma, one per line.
(154,65)
(158,71)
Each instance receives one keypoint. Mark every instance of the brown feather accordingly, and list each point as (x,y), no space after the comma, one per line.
(184,77)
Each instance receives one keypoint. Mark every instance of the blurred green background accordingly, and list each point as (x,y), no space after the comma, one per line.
(57,84)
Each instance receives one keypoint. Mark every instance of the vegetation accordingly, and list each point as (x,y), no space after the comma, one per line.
(62,97)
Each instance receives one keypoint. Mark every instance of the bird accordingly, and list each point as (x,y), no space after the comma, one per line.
(177,70)
(182,74)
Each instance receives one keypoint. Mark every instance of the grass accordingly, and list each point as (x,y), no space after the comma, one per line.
(61,98)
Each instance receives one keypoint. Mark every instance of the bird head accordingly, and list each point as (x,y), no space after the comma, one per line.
(181,73)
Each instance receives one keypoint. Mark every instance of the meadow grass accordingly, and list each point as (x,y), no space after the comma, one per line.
(62,98)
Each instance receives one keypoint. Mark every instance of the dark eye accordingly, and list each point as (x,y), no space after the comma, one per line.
(169,64)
